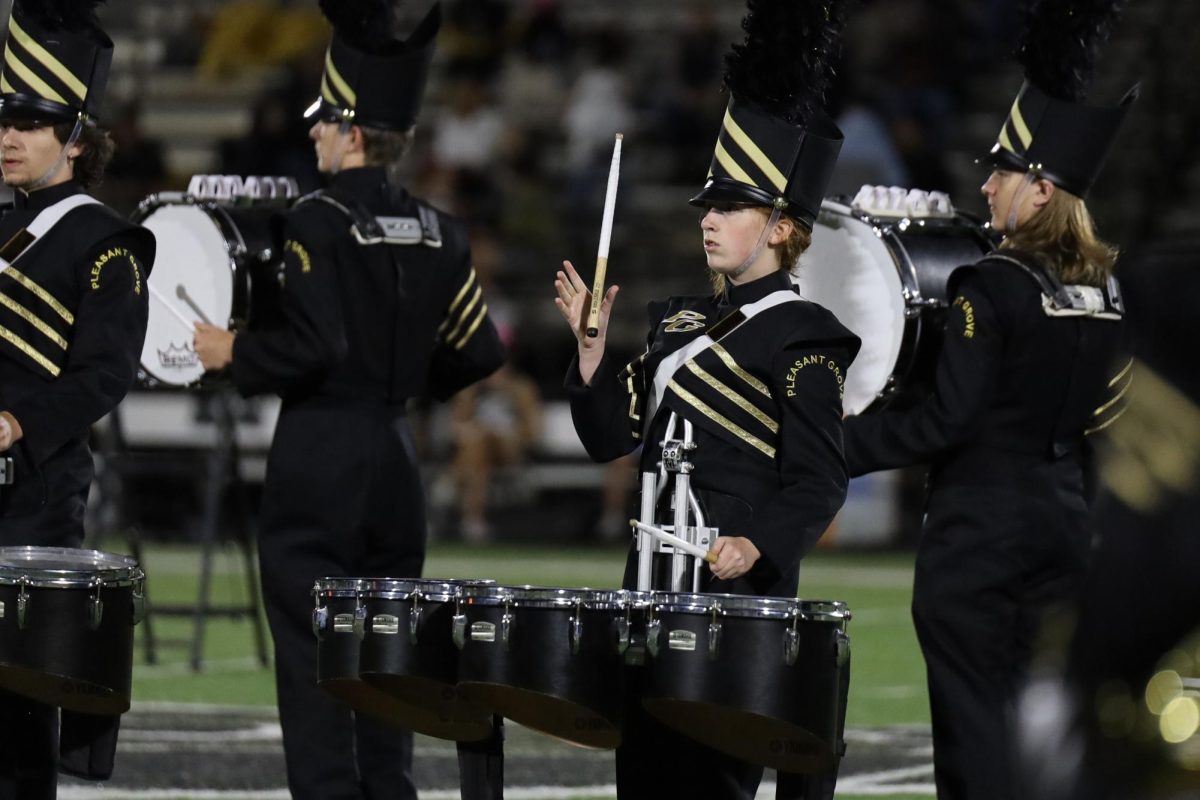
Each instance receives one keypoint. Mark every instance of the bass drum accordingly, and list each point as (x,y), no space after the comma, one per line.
(215,263)
(885,279)
(66,626)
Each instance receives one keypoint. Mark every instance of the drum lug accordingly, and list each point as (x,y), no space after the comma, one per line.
(506,626)
(653,628)
(714,640)
(577,628)
(320,621)
(842,648)
(414,619)
(791,646)
(622,635)
(360,622)
(458,630)
(139,603)
(22,604)
(95,610)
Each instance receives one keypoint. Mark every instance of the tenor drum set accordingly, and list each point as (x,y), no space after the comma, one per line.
(755,677)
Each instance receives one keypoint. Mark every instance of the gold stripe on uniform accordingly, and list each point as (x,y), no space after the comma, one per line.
(27,349)
(732,167)
(41,293)
(474,326)
(5,86)
(30,77)
(48,60)
(759,158)
(1121,374)
(465,313)
(34,320)
(733,397)
(721,420)
(462,292)
(1019,126)
(1005,142)
(326,92)
(1114,400)
(338,82)
(728,361)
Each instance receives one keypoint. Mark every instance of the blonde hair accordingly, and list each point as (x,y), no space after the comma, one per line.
(789,250)
(1063,232)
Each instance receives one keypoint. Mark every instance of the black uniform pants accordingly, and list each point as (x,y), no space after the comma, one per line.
(29,730)
(991,562)
(342,499)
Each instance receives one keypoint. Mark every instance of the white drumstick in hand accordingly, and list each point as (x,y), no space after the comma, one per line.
(157,295)
(672,539)
(610,201)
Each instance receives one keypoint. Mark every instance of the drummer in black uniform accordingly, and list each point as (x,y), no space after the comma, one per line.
(765,398)
(382,305)
(72,318)
(1025,374)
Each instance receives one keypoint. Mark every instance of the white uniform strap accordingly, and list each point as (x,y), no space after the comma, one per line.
(47,218)
(671,364)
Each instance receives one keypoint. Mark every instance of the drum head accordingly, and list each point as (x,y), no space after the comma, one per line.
(64,567)
(193,268)
(850,271)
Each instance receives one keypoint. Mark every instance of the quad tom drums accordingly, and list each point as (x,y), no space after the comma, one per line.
(215,263)
(66,626)
(884,276)
(759,678)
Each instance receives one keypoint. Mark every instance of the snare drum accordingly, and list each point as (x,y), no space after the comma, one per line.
(885,279)
(215,263)
(339,622)
(759,678)
(408,652)
(66,626)
(549,659)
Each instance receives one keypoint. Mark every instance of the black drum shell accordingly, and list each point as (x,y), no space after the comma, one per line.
(536,680)
(748,702)
(338,658)
(57,658)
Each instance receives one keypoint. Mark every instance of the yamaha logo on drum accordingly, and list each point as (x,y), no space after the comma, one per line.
(178,357)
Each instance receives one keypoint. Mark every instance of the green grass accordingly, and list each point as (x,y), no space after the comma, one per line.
(887,687)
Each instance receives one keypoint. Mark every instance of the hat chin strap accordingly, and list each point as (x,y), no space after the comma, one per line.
(1014,205)
(776,213)
(58,162)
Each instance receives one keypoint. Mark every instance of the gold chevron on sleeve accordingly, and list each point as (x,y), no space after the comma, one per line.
(753,382)
(733,397)
(1124,371)
(33,319)
(755,153)
(466,337)
(29,350)
(38,291)
(465,314)
(721,420)
(47,60)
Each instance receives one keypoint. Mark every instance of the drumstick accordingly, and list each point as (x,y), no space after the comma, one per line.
(157,295)
(610,200)
(682,544)
(183,295)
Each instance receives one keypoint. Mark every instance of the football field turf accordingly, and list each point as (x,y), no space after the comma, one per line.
(213,733)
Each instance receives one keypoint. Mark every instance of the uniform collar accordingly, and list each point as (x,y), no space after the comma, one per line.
(44,198)
(360,181)
(743,293)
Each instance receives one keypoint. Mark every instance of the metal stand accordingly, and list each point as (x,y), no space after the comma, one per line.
(660,565)
(481,765)
(222,472)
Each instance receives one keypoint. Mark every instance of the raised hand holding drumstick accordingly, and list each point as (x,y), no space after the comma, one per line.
(573,302)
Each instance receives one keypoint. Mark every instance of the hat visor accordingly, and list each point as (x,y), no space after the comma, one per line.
(1000,158)
(29,109)
(724,190)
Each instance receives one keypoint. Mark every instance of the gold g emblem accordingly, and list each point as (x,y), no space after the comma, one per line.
(683,322)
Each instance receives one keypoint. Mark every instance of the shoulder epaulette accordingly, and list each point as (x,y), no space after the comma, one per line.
(369,229)
(1069,300)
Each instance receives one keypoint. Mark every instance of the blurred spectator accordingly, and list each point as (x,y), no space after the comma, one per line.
(496,423)
(474,36)
(620,479)
(138,167)
(260,33)
(533,84)
(277,143)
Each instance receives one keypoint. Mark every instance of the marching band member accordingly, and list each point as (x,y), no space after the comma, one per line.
(381,305)
(1025,374)
(73,312)
(765,394)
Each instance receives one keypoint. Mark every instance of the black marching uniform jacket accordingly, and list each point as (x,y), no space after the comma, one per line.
(73,311)
(1026,371)
(381,305)
(766,404)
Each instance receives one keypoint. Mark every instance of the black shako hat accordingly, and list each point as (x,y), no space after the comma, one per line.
(56,62)
(373,77)
(777,146)
(1050,131)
